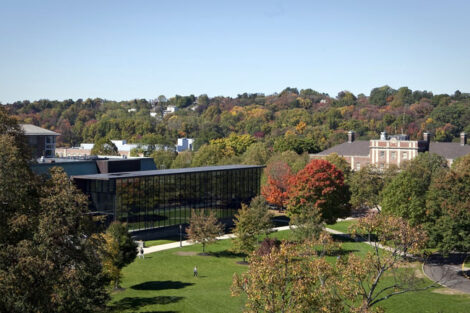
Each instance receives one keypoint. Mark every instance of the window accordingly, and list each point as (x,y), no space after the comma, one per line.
(394,155)
(382,166)
(405,155)
(382,154)
(358,166)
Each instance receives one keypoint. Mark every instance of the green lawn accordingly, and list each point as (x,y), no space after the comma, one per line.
(151,243)
(164,282)
(342,226)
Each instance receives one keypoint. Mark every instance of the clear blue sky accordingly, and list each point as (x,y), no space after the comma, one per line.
(141,49)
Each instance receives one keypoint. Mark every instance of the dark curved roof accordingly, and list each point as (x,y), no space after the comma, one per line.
(355,148)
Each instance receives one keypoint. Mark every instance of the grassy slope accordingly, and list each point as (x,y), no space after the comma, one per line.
(164,282)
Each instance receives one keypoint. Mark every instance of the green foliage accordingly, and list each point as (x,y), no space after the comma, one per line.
(46,240)
(295,143)
(223,150)
(104,146)
(405,195)
(404,96)
(308,121)
(56,252)
(208,155)
(233,144)
(251,222)
(256,154)
(163,159)
(367,184)
(183,159)
(340,163)
(345,98)
(307,225)
(381,95)
(9,126)
(448,208)
(181,101)
(120,250)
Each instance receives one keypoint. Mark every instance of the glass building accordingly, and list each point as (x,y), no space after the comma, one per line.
(162,198)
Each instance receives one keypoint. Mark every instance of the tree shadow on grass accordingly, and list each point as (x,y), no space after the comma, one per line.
(348,238)
(342,238)
(134,303)
(161,285)
(227,254)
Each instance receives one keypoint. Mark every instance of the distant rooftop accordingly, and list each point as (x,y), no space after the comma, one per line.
(449,150)
(357,147)
(165,172)
(33,130)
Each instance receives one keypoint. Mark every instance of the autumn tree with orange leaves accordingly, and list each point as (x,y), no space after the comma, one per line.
(318,190)
(275,191)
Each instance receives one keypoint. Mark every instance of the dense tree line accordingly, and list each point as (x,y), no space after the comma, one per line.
(301,121)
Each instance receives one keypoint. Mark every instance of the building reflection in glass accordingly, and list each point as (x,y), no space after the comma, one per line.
(162,198)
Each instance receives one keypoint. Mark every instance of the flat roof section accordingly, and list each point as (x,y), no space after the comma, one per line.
(165,172)
(33,130)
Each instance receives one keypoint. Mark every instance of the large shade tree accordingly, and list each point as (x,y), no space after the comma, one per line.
(448,208)
(319,188)
(405,195)
(49,259)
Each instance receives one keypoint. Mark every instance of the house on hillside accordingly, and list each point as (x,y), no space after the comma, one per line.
(170,109)
(184,144)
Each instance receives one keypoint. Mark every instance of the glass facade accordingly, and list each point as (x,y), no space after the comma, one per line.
(166,199)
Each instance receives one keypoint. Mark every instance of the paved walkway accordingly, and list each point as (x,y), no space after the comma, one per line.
(446,272)
(185,243)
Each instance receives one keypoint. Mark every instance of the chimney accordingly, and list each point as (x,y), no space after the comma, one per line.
(427,137)
(463,138)
(383,136)
(351,136)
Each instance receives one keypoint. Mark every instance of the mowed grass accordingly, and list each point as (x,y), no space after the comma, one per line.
(164,282)
(342,226)
(157,242)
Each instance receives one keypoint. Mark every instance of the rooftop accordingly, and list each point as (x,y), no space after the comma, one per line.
(33,130)
(357,147)
(165,172)
(449,150)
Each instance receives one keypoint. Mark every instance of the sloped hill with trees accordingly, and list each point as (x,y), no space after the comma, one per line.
(300,121)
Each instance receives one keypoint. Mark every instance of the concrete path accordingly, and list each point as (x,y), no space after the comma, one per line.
(448,271)
(185,243)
